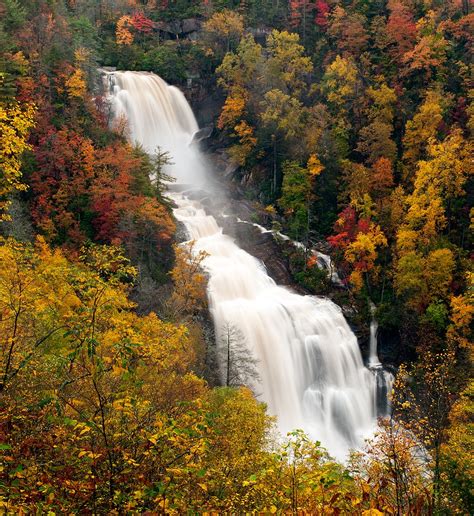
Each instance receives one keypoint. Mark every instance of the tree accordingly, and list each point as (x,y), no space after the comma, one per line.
(236,360)
(456,461)
(79,365)
(401,29)
(348,31)
(429,53)
(160,160)
(431,404)
(282,115)
(224,26)
(189,294)
(375,140)
(392,468)
(301,12)
(297,194)
(462,313)
(356,240)
(423,127)
(438,180)
(123,35)
(15,123)
(286,67)
(61,183)
(362,253)
(241,68)
(340,85)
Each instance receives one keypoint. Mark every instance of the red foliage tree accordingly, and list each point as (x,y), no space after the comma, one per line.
(141,23)
(401,29)
(347,227)
(322,13)
(61,182)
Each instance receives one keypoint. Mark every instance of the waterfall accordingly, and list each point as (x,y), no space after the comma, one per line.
(311,371)
(158,116)
(374,329)
(383,379)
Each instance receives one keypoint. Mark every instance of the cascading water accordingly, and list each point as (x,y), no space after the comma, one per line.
(374,329)
(158,116)
(312,374)
(383,379)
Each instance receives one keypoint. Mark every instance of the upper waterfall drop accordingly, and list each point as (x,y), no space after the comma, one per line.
(158,115)
(311,369)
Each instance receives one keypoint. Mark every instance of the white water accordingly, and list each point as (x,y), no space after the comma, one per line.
(383,379)
(374,329)
(312,375)
(158,115)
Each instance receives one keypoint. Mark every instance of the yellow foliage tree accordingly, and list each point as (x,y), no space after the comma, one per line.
(76,84)
(421,129)
(189,294)
(457,461)
(225,25)
(462,315)
(233,109)
(123,35)
(15,123)
(247,142)
(362,253)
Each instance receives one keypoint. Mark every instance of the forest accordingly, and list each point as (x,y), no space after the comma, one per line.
(346,125)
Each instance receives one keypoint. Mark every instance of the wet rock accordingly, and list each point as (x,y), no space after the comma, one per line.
(202,134)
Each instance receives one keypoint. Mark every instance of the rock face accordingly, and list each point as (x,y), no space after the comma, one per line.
(202,134)
(179,28)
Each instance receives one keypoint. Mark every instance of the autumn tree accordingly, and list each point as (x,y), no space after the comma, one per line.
(358,241)
(392,468)
(340,85)
(123,35)
(15,123)
(348,31)
(223,26)
(424,271)
(237,77)
(189,294)
(421,128)
(282,115)
(286,67)
(401,29)
(430,51)
(456,461)
(375,139)
(431,404)
(85,364)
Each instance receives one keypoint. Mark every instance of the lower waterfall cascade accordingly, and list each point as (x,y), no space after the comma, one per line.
(312,376)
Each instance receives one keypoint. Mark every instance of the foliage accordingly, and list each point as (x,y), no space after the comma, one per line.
(361,109)
(189,294)
(15,123)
